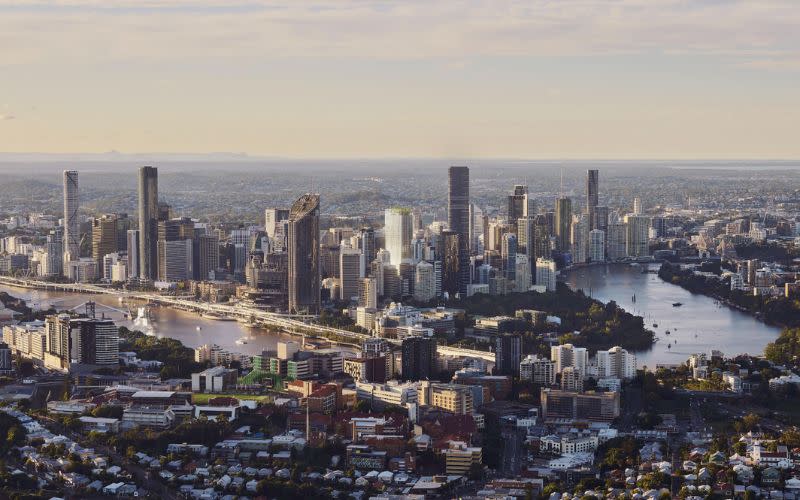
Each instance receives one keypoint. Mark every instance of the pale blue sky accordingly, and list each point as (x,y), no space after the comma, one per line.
(553,79)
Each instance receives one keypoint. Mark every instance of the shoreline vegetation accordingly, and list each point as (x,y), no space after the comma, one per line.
(585,322)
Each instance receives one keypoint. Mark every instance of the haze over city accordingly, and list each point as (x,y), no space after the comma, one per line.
(378,250)
(464,79)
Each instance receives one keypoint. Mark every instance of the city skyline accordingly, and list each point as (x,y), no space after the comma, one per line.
(371,79)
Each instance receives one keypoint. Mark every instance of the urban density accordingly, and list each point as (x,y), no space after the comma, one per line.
(390,250)
(413,354)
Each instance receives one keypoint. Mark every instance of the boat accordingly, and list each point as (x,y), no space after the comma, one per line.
(676,304)
(667,332)
(217,317)
(198,328)
(241,341)
(655,325)
(669,346)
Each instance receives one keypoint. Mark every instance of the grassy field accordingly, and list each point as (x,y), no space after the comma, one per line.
(203,398)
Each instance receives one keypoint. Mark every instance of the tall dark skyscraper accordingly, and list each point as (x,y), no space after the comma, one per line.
(458,201)
(304,275)
(148,223)
(458,220)
(517,205)
(563,221)
(592,199)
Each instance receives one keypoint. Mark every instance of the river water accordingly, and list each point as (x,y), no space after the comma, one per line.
(699,325)
(164,322)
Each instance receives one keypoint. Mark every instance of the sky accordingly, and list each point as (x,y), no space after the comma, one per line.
(370,78)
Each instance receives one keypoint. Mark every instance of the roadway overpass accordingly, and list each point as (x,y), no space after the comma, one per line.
(297,324)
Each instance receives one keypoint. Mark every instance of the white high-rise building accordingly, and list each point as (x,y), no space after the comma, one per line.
(579,238)
(568,355)
(546,274)
(637,206)
(597,245)
(637,238)
(616,362)
(424,282)
(522,276)
(398,232)
(72,222)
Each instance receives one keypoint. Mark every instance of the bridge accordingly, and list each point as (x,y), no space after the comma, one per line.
(297,324)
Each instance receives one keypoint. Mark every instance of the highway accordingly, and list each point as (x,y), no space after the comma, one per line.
(297,324)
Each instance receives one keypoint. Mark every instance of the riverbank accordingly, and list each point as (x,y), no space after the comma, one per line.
(585,321)
(778,311)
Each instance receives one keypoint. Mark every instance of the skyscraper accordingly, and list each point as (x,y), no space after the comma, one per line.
(637,235)
(398,232)
(508,253)
(272,216)
(366,242)
(597,245)
(72,223)
(637,206)
(579,238)
(148,223)
(451,264)
(517,205)
(104,240)
(458,222)
(207,255)
(133,253)
(546,274)
(563,221)
(349,272)
(175,247)
(592,198)
(304,281)
(458,201)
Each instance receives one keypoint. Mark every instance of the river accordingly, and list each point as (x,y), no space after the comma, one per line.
(699,325)
(165,322)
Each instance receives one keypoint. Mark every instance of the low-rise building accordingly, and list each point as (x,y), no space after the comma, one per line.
(157,418)
(459,457)
(99,424)
(214,379)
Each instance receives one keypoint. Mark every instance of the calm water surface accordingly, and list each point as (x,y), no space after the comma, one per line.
(166,322)
(699,325)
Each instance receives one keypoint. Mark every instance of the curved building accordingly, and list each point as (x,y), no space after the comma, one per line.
(72,222)
(304,280)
